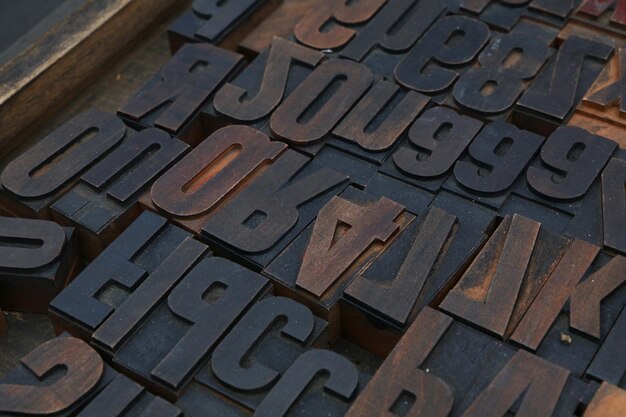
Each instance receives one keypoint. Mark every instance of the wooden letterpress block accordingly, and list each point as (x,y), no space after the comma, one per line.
(313,109)
(603,109)
(350,231)
(125,398)
(507,274)
(433,64)
(359,170)
(101,288)
(280,23)
(575,309)
(38,259)
(57,378)
(609,364)
(314,31)
(391,32)
(414,199)
(259,351)
(105,201)
(180,317)
(417,267)
(32,181)
(608,15)
(441,368)
(220,167)
(505,68)
(219,22)
(609,401)
(172,99)
(252,96)
(494,162)
(435,141)
(258,223)
(505,14)
(553,11)
(374,125)
(555,93)
(614,205)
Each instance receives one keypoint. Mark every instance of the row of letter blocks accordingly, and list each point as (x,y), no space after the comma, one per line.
(336,208)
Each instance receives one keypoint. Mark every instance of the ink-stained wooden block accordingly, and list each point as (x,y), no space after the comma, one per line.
(434,63)
(507,274)
(505,68)
(252,96)
(349,233)
(57,378)
(223,23)
(260,221)
(603,109)
(504,14)
(377,122)
(32,181)
(609,15)
(173,98)
(562,83)
(415,200)
(435,141)
(38,258)
(180,315)
(609,401)
(106,200)
(442,368)
(313,109)
(314,31)
(138,253)
(391,32)
(575,309)
(415,270)
(280,23)
(554,12)
(614,205)
(609,364)
(217,169)
(258,352)
(125,398)
(495,161)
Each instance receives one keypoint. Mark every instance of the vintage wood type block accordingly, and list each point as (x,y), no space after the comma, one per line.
(602,110)
(220,167)
(359,170)
(313,29)
(614,204)
(609,401)
(435,141)
(609,15)
(442,368)
(181,317)
(415,200)
(280,23)
(391,32)
(258,352)
(57,378)
(315,107)
(350,232)
(505,68)
(375,124)
(494,162)
(504,14)
(38,259)
(105,283)
(609,364)
(258,223)
(172,99)
(596,294)
(415,270)
(560,86)
(506,275)
(433,64)
(106,200)
(32,181)
(254,94)
(223,23)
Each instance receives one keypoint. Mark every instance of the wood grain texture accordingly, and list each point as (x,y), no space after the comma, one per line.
(63,60)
